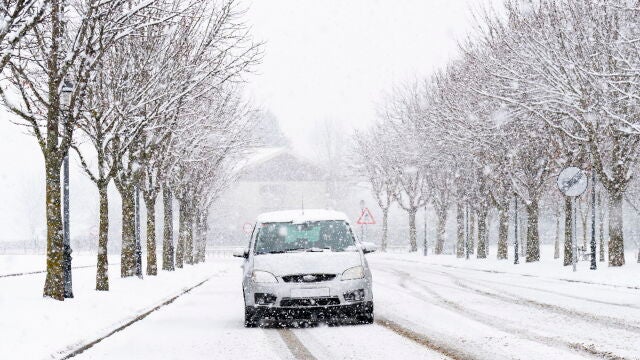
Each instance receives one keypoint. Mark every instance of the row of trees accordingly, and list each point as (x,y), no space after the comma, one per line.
(147,93)
(541,85)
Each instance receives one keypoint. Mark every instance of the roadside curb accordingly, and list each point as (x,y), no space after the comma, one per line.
(79,350)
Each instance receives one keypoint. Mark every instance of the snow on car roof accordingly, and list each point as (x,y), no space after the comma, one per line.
(300,216)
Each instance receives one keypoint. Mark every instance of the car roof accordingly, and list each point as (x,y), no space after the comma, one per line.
(300,216)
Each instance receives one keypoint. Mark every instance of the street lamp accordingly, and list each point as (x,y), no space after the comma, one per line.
(137,237)
(515,242)
(425,230)
(593,219)
(65,102)
(466,242)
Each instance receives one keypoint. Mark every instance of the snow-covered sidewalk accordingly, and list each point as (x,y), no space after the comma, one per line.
(546,268)
(35,328)
(30,263)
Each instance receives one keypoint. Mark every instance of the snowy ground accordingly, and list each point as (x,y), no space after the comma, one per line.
(426,308)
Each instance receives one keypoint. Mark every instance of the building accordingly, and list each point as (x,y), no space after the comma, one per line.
(269,180)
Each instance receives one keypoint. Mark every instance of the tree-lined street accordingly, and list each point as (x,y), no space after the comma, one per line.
(424,310)
(458,178)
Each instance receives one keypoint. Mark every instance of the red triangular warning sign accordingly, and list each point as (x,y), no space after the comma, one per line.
(366,218)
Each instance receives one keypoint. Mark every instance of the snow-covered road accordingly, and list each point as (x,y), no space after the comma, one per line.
(423,311)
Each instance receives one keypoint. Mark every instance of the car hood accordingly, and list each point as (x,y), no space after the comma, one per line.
(307,262)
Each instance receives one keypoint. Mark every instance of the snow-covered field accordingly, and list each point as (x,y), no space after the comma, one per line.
(426,308)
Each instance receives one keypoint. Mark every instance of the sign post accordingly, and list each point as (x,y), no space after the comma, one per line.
(573,182)
(247,228)
(593,219)
(365,218)
(424,251)
(516,260)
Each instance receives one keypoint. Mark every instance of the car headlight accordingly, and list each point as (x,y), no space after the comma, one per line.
(263,277)
(356,272)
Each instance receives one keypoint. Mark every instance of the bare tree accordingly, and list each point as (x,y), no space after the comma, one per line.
(62,50)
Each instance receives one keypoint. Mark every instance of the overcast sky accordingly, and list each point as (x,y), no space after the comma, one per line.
(324,60)
(334,59)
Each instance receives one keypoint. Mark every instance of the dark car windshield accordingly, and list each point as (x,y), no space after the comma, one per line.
(309,236)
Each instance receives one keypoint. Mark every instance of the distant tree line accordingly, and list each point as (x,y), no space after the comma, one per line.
(147,94)
(540,85)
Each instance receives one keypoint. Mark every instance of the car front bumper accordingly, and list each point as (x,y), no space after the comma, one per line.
(312,313)
(283,291)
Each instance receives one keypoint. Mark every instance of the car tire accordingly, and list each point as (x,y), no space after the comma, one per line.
(366,314)
(251,319)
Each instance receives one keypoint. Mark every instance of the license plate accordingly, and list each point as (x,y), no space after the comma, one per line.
(315,292)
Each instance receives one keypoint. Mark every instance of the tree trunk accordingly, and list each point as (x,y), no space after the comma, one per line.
(152,264)
(102,269)
(472,233)
(460,230)
(601,224)
(440,230)
(568,231)
(182,234)
(204,230)
(385,229)
(196,237)
(616,238)
(556,244)
(413,240)
(167,241)
(533,235)
(188,244)
(482,233)
(54,282)
(203,234)
(128,254)
(503,234)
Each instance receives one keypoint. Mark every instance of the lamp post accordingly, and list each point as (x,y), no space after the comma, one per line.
(515,242)
(425,230)
(466,242)
(65,101)
(362,204)
(594,266)
(137,237)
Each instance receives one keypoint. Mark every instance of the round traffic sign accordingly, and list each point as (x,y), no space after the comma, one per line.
(572,181)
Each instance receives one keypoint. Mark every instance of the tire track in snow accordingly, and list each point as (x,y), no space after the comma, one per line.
(634,306)
(516,274)
(499,325)
(296,347)
(423,340)
(130,322)
(522,301)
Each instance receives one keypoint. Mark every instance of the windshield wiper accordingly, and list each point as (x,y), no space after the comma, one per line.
(271,252)
(281,251)
(317,249)
(312,249)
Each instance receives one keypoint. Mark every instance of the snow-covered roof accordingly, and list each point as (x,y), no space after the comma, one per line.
(300,216)
(258,156)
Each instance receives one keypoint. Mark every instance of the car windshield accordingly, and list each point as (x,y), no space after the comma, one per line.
(308,236)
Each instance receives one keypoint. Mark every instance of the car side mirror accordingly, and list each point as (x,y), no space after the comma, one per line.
(243,253)
(368,247)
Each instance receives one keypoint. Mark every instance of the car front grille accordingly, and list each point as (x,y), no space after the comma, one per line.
(308,278)
(305,302)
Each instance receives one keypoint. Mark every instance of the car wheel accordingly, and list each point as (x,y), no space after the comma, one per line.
(366,314)
(251,319)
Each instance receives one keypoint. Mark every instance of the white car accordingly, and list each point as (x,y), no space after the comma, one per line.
(306,265)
